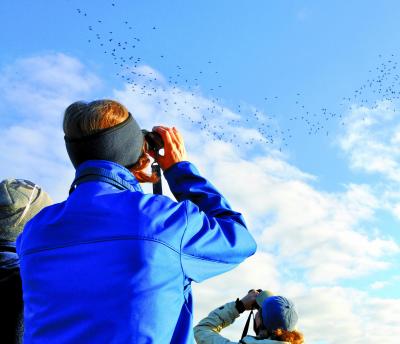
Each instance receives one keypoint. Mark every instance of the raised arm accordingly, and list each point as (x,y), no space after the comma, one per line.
(216,238)
(207,331)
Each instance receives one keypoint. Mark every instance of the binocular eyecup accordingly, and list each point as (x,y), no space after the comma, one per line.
(153,140)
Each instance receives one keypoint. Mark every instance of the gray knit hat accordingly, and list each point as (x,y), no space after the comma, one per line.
(20,200)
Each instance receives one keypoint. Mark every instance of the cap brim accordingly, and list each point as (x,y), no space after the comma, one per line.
(262,296)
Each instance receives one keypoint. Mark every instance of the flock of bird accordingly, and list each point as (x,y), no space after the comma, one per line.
(189,98)
(382,85)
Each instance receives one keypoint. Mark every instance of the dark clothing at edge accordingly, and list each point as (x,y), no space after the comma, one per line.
(11,305)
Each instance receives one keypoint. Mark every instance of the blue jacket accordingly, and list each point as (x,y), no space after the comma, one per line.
(114,265)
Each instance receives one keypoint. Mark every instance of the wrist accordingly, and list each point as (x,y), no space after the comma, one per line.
(169,165)
(239,306)
(174,167)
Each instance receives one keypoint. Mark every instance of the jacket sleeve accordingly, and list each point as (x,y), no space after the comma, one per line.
(216,238)
(207,330)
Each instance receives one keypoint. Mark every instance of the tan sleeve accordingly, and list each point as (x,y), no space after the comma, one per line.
(207,330)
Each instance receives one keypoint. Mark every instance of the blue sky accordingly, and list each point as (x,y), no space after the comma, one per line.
(325,209)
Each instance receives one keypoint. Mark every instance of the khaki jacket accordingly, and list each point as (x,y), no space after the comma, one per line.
(207,330)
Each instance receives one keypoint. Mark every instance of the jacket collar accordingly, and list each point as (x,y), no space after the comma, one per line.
(108,170)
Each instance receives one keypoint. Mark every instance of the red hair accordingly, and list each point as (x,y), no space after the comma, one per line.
(293,337)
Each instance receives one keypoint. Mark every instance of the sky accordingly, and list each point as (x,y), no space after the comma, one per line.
(291,108)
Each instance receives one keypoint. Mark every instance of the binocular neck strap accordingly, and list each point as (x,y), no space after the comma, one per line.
(246,327)
(157,187)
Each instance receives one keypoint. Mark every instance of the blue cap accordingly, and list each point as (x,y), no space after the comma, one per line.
(279,312)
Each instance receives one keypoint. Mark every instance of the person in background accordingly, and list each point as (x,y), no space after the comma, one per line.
(274,323)
(112,264)
(20,200)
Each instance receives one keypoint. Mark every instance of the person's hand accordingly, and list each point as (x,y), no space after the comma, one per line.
(174,148)
(250,299)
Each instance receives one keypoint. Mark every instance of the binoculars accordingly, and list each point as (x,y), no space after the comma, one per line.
(153,140)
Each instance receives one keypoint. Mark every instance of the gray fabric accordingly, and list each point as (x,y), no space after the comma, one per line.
(122,143)
(20,200)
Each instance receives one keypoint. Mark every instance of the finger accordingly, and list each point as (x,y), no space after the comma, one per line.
(175,138)
(255,293)
(172,131)
(155,128)
(178,135)
(161,130)
(175,141)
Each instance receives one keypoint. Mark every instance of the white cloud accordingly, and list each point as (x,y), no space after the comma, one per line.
(371,142)
(346,315)
(322,233)
(35,91)
(371,139)
(44,85)
(379,285)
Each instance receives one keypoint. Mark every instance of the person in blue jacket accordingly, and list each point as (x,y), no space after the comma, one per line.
(112,264)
